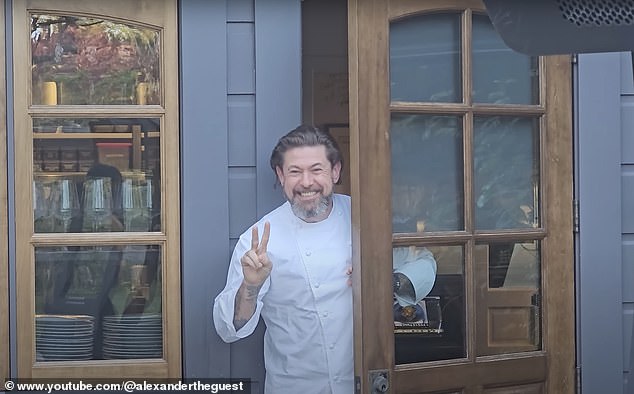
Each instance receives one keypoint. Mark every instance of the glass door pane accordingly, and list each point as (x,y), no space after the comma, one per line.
(506,172)
(501,75)
(98,302)
(96,175)
(81,60)
(425,59)
(429,303)
(427,173)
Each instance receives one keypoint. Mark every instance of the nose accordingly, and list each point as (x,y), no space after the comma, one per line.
(307,179)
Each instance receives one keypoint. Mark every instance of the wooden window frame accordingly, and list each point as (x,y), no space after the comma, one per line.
(159,15)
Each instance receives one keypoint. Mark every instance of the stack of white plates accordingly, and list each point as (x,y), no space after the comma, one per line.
(132,336)
(64,337)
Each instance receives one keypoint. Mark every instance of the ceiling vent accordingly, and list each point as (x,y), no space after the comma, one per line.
(585,13)
(545,27)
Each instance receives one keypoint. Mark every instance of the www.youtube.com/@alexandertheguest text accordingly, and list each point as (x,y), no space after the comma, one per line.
(214,386)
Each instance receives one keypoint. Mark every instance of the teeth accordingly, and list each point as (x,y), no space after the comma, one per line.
(308,194)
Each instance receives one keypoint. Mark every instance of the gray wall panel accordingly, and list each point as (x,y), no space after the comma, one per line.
(627,76)
(242,192)
(205,247)
(628,268)
(278,86)
(241,130)
(627,161)
(627,191)
(247,358)
(240,58)
(600,301)
(240,10)
(628,326)
(627,129)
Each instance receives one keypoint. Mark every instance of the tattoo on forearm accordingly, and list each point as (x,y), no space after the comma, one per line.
(244,307)
(252,292)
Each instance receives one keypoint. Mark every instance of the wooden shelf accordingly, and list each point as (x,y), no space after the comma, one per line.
(140,174)
(78,136)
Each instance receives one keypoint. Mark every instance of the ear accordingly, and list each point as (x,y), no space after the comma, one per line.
(336,172)
(280,175)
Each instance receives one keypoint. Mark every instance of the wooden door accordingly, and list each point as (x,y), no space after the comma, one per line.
(97,189)
(460,148)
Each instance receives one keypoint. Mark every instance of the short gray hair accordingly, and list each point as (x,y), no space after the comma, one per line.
(305,135)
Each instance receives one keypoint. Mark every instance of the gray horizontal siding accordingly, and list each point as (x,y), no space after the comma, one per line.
(242,192)
(240,11)
(241,113)
(240,57)
(627,129)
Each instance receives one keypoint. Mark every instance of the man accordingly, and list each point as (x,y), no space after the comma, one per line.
(297,275)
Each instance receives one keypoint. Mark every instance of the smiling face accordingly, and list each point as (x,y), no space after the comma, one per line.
(308,178)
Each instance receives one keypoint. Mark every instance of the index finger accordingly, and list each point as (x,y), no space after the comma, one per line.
(265,237)
(255,240)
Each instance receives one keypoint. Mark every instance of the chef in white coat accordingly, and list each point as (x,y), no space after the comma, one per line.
(293,268)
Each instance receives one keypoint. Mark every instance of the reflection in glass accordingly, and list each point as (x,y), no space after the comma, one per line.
(431,326)
(95,161)
(98,302)
(414,274)
(427,173)
(425,59)
(501,75)
(506,172)
(80,60)
(509,307)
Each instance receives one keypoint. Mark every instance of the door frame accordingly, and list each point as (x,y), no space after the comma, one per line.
(371,218)
(4,209)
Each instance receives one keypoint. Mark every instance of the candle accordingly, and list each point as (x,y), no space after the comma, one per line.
(49,93)
(141,93)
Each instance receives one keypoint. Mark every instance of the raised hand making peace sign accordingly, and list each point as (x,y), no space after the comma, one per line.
(256,265)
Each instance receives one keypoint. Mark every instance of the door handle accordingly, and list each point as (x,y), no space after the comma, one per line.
(379,381)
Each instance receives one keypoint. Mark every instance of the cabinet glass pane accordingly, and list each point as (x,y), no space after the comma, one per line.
(98,302)
(429,307)
(96,175)
(506,172)
(427,173)
(79,60)
(425,59)
(501,75)
(508,299)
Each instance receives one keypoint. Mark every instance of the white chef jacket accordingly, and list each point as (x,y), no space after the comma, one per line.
(306,302)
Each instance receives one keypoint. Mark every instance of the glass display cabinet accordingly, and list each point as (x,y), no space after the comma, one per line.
(97,242)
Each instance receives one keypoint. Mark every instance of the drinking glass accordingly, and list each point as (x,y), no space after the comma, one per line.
(55,205)
(137,204)
(98,205)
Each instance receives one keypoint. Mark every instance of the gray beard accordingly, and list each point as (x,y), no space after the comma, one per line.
(320,208)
